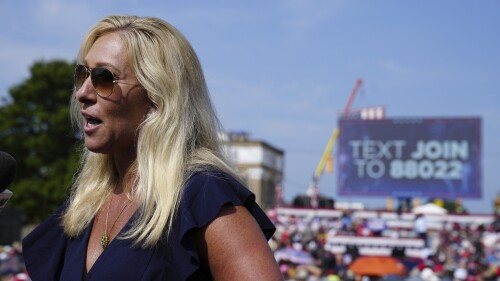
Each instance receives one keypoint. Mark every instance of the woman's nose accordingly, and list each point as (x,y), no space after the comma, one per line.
(86,92)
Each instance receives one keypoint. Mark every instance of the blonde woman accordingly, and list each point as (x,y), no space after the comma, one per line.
(154,198)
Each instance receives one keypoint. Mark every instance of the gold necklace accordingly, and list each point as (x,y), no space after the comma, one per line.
(104,237)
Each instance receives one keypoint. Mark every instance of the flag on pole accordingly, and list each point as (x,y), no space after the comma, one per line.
(314,196)
(329,164)
(278,195)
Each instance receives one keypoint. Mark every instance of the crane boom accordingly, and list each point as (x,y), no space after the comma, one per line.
(333,138)
(347,107)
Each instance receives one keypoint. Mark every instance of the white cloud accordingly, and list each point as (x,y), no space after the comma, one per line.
(240,99)
(63,17)
(307,15)
(225,16)
(14,59)
(48,29)
(393,67)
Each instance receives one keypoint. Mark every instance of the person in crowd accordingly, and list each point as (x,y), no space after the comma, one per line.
(420,227)
(347,222)
(377,225)
(154,198)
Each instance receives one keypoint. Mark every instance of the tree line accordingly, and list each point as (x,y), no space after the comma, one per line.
(35,128)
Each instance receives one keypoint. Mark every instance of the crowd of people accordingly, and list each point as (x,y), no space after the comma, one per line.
(457,251)
(12,263)
(468,252)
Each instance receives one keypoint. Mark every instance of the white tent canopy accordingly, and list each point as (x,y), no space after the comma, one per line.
(430,209)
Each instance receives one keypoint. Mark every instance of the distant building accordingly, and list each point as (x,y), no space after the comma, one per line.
(260,165)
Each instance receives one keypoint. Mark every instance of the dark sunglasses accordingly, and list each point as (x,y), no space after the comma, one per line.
(102,79)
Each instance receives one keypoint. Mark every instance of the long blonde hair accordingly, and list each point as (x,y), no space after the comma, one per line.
(177,138)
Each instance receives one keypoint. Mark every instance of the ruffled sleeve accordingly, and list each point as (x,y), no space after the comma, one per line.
(204,196)
(44,248)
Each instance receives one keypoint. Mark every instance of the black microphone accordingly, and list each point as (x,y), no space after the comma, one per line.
(8,168)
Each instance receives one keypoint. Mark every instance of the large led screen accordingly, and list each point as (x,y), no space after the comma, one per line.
(427,157)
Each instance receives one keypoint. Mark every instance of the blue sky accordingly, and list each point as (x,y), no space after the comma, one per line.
(283,70)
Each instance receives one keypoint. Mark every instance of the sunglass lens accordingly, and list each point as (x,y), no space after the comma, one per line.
(102,80)
(80,75)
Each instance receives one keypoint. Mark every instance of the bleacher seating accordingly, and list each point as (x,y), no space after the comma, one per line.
(376,246)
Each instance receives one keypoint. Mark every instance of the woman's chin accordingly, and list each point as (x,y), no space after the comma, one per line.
(102,149)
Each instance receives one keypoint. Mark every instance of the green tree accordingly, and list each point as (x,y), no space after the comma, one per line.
(35,129)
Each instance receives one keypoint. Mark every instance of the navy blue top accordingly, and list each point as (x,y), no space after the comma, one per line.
(51,255)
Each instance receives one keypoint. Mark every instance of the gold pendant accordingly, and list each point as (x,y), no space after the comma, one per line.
(104,241)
